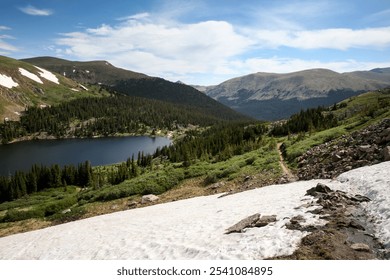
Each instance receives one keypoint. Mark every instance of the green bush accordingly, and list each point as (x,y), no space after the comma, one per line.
(14,215)
(55,207)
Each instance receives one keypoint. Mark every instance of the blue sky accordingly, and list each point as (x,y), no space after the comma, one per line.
(198,41)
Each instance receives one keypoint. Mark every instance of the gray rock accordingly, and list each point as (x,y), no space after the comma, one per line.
(265,220)
(149,198)
(360,247)
(255,220)
(320,188)
(244,223)
(386,153)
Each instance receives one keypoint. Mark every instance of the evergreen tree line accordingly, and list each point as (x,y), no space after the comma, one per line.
(41,177)
(315,119)
(220,141)
(105,116)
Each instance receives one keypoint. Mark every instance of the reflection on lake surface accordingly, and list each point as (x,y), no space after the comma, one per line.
(99,151)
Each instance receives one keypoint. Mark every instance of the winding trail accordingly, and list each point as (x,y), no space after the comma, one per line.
(286,171)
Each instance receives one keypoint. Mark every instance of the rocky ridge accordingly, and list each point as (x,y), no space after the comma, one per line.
(366,147)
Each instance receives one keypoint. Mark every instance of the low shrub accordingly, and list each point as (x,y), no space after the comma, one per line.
(14,215)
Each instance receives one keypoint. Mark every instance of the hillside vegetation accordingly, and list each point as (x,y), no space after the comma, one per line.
(224,158)
(136,84)
(33,89)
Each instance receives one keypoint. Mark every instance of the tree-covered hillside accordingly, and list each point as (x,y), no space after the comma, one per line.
(88,117)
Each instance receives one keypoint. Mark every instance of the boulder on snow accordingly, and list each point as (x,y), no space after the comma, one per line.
(386,153)
(255,220)
(320,188)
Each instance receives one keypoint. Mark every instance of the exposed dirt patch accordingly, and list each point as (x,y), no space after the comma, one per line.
(288,175)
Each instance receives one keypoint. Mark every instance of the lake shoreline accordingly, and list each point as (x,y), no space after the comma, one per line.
(44,136)
(21,155)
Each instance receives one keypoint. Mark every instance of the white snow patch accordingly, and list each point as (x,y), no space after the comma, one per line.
(194,228)
(83,87)
(373,182)
(186,229)
(48,75)
(30,75)
(7,81)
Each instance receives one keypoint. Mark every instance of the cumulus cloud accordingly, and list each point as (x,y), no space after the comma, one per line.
(33,11)
(336,38)
(156,47)
(169,48)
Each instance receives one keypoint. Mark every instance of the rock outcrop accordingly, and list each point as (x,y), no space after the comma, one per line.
(347,233)
(366,147)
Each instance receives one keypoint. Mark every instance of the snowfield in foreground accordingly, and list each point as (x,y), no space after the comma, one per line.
(195,228)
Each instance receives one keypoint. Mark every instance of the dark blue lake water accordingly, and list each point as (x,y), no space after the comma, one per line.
(99,151)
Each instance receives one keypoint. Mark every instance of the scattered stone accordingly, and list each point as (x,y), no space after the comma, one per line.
(361,247)
(354,224)
(265,220)
(386,153)
(132,204)
(114,207)
(360,198)
(368,146)
(297,219)
(244,223)
(149,198)
(320,188)
(216,185)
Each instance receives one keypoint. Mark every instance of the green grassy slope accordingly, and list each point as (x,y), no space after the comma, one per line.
(32,93)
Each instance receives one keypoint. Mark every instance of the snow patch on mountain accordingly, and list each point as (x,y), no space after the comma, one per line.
(7,81)
(30,75)
(48,75)
(195,228)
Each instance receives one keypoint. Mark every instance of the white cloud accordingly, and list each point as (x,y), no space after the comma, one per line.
(338,38)
(157,48)
(164,47)
(4,46)
(32,11)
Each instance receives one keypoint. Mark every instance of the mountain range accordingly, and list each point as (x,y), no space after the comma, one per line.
(132,83)
(22,84)
(264,96)
(272,96)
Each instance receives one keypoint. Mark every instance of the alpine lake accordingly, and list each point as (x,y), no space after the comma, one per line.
(99,151)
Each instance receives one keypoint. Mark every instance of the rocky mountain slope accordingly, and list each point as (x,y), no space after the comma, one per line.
(368,146)
(23,84)
(90,72)
(275,96)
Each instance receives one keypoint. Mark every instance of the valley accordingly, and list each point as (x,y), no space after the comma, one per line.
(269,96)
(216,152)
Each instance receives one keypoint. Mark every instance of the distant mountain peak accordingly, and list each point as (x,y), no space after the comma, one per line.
(273,96)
